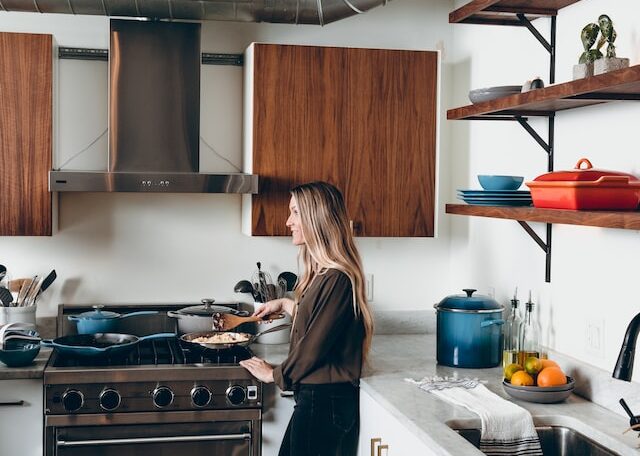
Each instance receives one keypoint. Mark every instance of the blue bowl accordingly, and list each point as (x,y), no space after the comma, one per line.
(18,355)
(500,182)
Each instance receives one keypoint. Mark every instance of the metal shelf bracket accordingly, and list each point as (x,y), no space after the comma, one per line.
(545,246)
(549,46)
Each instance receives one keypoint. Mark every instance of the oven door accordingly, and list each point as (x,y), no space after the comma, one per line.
(158,434)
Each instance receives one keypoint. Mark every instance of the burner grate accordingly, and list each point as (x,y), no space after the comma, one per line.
(160,352)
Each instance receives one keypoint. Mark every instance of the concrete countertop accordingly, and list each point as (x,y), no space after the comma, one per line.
(396,357)
(33,371)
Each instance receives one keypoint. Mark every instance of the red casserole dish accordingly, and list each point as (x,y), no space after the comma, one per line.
(586,188)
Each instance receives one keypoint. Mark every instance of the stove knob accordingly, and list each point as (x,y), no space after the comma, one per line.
(72,400)
(236,395)
(162,396)
(109,400)
(201,396)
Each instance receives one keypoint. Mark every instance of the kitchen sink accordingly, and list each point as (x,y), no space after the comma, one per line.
(555,441)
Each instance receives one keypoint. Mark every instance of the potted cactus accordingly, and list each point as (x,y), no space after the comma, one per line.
(609,62)
(588,36)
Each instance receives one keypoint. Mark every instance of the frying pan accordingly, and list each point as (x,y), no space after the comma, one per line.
(99,345)
(246,339)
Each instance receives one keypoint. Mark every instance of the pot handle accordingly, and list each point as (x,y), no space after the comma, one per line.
(142,312)
(73,318)
(156,336)
(47,342)
(583,161)
(486,323)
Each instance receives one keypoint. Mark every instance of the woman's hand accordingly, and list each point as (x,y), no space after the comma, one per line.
(275,306)
(259,368)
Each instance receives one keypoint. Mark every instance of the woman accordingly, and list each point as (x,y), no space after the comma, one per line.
(332,328)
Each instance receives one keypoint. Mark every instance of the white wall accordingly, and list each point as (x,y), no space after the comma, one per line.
(593,270)
(160,248)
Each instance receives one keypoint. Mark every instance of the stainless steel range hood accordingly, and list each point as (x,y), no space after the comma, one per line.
(154,116)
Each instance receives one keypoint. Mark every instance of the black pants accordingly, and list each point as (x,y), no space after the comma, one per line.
(325,421)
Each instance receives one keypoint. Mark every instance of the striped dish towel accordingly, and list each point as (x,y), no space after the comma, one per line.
(507,429)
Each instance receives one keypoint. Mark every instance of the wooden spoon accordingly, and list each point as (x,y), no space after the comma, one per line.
(225,322)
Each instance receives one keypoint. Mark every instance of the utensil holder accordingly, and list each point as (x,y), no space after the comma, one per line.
(25,315)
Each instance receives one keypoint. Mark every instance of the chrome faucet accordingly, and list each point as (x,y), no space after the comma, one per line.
(624,365)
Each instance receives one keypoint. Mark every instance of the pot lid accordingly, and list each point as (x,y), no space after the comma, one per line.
(207,309)
(98,314)
(468,302)
(583,172)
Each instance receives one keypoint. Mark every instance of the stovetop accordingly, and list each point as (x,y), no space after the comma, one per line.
(157,353)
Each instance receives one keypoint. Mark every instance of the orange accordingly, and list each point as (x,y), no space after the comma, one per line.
(511,369)
(551,376)
(532,365)
(521,378)
(548,363)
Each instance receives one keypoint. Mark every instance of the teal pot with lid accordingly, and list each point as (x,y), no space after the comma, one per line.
(469,331)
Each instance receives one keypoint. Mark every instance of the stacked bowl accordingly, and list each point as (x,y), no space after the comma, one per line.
(497,191)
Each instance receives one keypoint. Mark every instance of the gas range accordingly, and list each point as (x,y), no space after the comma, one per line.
(159,382)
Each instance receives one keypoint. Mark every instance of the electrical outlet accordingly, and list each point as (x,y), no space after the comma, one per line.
(595,337)
(369,286)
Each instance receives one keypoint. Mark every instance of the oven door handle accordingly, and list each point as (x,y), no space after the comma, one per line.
(185,438)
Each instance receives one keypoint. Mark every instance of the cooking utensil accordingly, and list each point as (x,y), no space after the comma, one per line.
(469,331)
(290,278)
(3,271)
(6,298)
(15,285)
(229,321)
(100,345)
(586,188)
(30,299)
(244,339)
(244,286)
(99,321)
(265,286)
(200,318)
(24,290)
(46,283)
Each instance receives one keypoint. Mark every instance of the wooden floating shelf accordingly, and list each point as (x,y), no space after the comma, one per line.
(616,85)
(503,12)
(628,220)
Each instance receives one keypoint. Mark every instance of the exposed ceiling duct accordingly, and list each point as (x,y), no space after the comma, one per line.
(318,12)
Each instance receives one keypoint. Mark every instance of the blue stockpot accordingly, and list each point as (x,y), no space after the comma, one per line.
(469,331)
(99,321)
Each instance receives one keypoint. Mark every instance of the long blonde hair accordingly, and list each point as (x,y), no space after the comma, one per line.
(329,245)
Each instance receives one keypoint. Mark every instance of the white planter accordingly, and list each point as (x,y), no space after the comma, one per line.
(605,65)
(582,70)
(18,315)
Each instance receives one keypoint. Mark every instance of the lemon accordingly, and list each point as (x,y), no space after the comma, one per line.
(521,378)
(532,365)
(511,369)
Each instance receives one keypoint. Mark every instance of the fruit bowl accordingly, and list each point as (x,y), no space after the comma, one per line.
(542,395)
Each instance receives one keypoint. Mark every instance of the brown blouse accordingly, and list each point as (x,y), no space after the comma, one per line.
(326,340)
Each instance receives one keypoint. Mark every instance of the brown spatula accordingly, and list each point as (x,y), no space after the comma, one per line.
(225,322)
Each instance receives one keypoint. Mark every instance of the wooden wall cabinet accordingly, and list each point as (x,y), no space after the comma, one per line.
(362,119)
(26,62)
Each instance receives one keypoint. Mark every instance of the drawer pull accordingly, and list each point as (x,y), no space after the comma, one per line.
(374,442)
(12,404)
(383,447)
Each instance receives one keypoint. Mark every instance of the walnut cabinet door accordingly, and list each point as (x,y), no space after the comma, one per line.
(362,119)
(25,134)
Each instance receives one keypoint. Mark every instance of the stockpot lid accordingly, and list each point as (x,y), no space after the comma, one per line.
(98,314)
(207,309)
(469,303)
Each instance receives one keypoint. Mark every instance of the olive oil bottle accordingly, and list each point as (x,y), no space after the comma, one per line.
(512,330)
(530,339)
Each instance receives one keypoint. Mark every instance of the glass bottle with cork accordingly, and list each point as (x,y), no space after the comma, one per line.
(512,334)
(530,338)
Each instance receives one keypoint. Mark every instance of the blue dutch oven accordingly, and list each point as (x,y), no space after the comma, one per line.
(99,321)
(469,331)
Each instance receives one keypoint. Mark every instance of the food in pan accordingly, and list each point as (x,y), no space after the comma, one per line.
(222,338)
